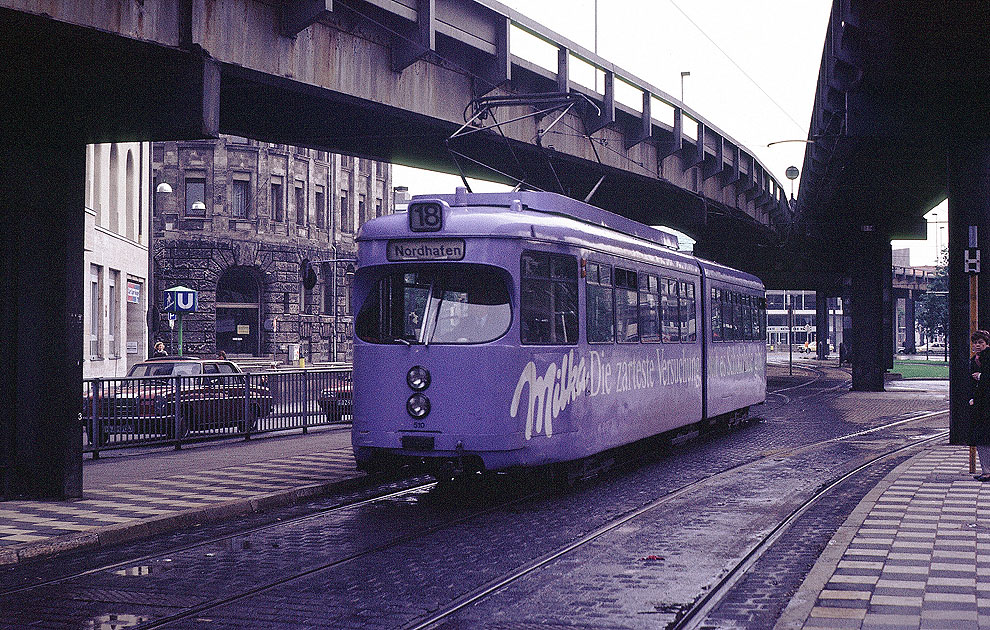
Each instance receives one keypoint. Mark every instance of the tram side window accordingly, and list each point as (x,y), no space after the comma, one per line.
(626,306)
(717,315)
(671,311)
(689,319)
(649,308)
(739,317)
(728,321)
(548,299)
(747,315)
(601,306)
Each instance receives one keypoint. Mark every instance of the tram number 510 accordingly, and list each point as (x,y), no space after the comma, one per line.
(425,217)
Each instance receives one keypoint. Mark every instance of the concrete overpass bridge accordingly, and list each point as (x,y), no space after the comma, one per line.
(899,124)
(386,79)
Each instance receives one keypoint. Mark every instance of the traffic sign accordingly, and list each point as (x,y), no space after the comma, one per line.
(180,300)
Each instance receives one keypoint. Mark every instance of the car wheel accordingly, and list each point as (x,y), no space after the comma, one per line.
(183,428)
(252,420)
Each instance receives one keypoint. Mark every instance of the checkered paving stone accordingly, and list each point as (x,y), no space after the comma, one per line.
(921,557)
(32,521)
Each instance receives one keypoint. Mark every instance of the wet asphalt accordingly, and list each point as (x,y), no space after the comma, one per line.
(389,563)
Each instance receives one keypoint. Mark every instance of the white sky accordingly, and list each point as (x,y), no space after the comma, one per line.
(778,43)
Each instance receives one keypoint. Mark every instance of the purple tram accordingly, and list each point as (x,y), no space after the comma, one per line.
(499,330)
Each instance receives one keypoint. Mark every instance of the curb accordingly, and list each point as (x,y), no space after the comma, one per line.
(167,523)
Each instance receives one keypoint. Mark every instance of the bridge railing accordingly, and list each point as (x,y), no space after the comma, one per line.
(577,69)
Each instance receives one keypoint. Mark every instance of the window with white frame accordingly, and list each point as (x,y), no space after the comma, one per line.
(113,323)
(95,309)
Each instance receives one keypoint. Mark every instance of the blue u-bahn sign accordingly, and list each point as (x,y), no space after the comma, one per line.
(180,300)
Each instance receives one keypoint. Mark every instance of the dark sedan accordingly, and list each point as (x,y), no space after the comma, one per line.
(212,395)
(336,400)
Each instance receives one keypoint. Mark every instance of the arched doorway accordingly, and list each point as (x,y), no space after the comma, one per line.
(238,325)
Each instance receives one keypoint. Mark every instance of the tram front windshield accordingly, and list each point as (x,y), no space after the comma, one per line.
(430,304)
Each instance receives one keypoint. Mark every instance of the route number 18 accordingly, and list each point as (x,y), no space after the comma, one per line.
(425,217)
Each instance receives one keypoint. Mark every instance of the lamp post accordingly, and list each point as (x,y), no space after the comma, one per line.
(788,298)
(683,74)
(152,316)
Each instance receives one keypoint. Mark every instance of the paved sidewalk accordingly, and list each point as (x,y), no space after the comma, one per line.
(128,496)
(914,554)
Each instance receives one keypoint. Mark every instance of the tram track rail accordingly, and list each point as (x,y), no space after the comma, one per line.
(133,560)
(715,595)
(496,585)
(693,618)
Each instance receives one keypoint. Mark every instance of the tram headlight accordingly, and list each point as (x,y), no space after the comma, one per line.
(418,405)
(418,378)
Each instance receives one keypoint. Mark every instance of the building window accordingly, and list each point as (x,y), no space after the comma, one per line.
(300,204)
(327,273)
(238,308)
(321,206)
(346,217)
(378,207)
(95,309)
(241,199)
(113,325)
(195,191)
(278,202)
(362,216)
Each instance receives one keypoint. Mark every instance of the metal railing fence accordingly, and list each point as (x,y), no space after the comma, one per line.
(162,410)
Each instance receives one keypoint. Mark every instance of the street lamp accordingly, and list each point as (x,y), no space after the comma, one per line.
(792,173)
(152,316)
(683,74)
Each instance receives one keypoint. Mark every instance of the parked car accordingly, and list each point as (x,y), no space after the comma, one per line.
(212,394)
(935,346)
(337,400)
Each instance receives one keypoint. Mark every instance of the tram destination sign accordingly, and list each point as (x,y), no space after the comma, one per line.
(426,249)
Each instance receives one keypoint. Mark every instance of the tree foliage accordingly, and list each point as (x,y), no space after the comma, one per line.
(932,311)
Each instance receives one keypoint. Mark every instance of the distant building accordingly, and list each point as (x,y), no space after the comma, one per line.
(792,317)
(115,263)
(243,219)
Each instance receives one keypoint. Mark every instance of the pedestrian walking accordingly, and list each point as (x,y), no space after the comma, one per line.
(159,350)
(979,400)
(222,355)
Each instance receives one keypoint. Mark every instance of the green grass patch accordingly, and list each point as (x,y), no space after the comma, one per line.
(922,369)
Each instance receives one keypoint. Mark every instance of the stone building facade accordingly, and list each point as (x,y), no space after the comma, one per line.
(244,219)
(115,259)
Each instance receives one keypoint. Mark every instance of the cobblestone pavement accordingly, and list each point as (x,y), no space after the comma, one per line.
(386,564)
(129,496)
(915,553)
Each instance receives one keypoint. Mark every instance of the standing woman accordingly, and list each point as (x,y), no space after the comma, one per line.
(979,400)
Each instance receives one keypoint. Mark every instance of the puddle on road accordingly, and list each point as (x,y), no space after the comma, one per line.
(115,621)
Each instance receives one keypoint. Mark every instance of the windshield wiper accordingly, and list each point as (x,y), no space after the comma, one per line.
(401,340)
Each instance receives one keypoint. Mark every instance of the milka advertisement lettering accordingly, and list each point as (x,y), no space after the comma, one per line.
(550,392)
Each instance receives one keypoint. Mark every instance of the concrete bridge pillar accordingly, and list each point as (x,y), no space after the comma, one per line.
(870,295)
(41,279)
(969,205)
(909,322)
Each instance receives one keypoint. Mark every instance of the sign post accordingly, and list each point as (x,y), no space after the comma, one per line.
(179,300)
(972,262)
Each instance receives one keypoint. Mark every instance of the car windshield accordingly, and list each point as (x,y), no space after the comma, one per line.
(166,368)
(455,304)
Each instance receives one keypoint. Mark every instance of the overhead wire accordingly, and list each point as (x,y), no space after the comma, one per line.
(738,67)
